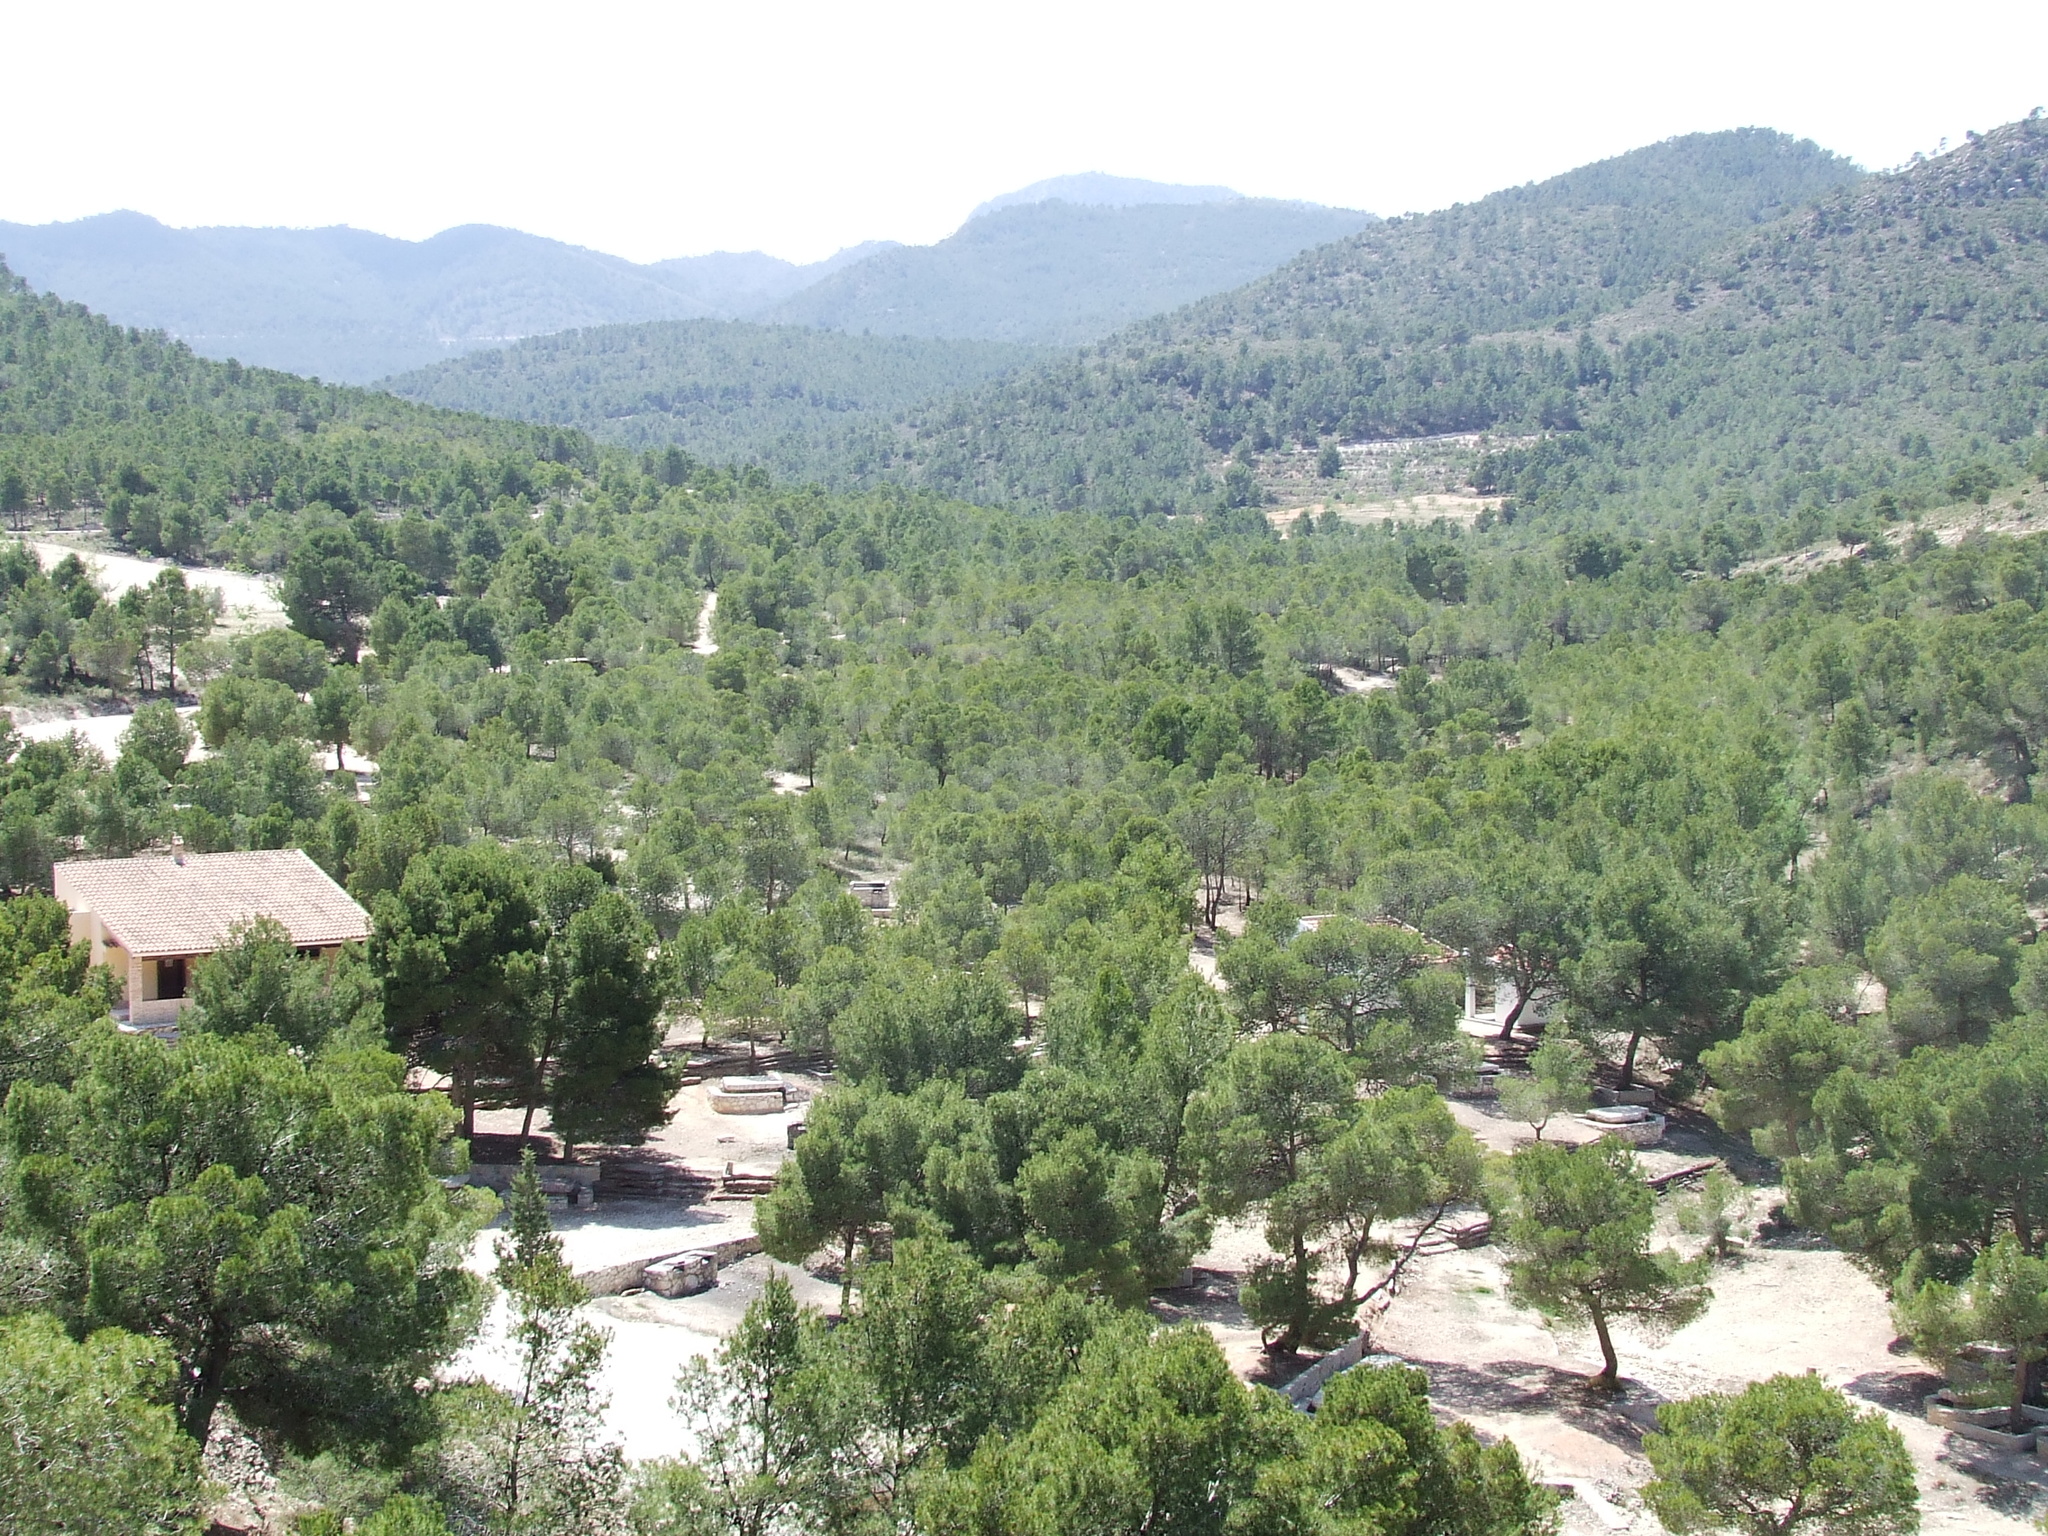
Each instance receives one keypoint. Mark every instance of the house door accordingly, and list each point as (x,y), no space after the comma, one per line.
(170,977)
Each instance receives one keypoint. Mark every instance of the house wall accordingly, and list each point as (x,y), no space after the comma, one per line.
(145,1008)
(136,977)
(103,948)
(1504,994)
(157,1011)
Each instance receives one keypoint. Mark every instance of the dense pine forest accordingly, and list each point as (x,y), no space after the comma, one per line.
(799,401)
(1763,837)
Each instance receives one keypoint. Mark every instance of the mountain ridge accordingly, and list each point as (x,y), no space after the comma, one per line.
(1100,189)
(1367,337)
(353,305)
(1061,274)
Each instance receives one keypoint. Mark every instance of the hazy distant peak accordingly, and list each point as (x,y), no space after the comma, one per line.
(846,256)
(1093,187)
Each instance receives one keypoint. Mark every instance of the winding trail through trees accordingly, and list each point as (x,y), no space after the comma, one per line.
(706,646)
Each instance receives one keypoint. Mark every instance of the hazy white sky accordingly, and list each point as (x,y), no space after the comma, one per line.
(663,129)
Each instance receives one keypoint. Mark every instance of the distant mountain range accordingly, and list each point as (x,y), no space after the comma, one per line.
(1095,190)
(881,337)
(1737,339)
(349,305)
(1061,273)
(1061,261)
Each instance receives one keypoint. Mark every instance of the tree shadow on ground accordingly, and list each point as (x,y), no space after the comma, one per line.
(1692,1133)
(2016,1486)
(1212,1299)
(1527,1387)
(1212,1302)
(2013,1485)
(1899,1391)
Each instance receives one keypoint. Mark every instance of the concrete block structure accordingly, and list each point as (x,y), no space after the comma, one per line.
(762,1094)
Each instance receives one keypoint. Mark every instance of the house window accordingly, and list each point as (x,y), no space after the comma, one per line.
(170,977)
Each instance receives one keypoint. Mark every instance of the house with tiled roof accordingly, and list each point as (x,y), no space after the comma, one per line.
(149,919)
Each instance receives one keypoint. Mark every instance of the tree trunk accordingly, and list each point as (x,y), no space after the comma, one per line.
(539,1086)
(1610,1371)
(1354,1255)
(2023,792)
(1628,1060)
(211,1369)
(1289,1342)
(1507,1030)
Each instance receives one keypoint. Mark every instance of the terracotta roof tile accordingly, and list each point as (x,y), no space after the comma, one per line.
(159,906)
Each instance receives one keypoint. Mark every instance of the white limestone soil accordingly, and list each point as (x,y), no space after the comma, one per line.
(706,646)
(252,601)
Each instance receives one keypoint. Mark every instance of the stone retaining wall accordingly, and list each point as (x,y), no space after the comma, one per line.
(630,1275)
(1305,1388)
(746,1103)
(1984,1425)
(499,1176)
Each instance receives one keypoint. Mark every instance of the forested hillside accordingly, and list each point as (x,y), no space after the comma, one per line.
(196,459)
(1769,841)
(352,305)
(1059,273)
(1684,341)
(802,402)
(1076,738)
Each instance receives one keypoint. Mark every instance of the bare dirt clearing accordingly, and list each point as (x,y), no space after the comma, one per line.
(53,721)
(1353,680)
(251,604)
(652,1337)
(1793,1307)
(2018,514)
(1791,1310)
(252,601)
(1426,508)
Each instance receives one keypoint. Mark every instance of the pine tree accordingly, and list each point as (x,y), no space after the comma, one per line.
(531,1460)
